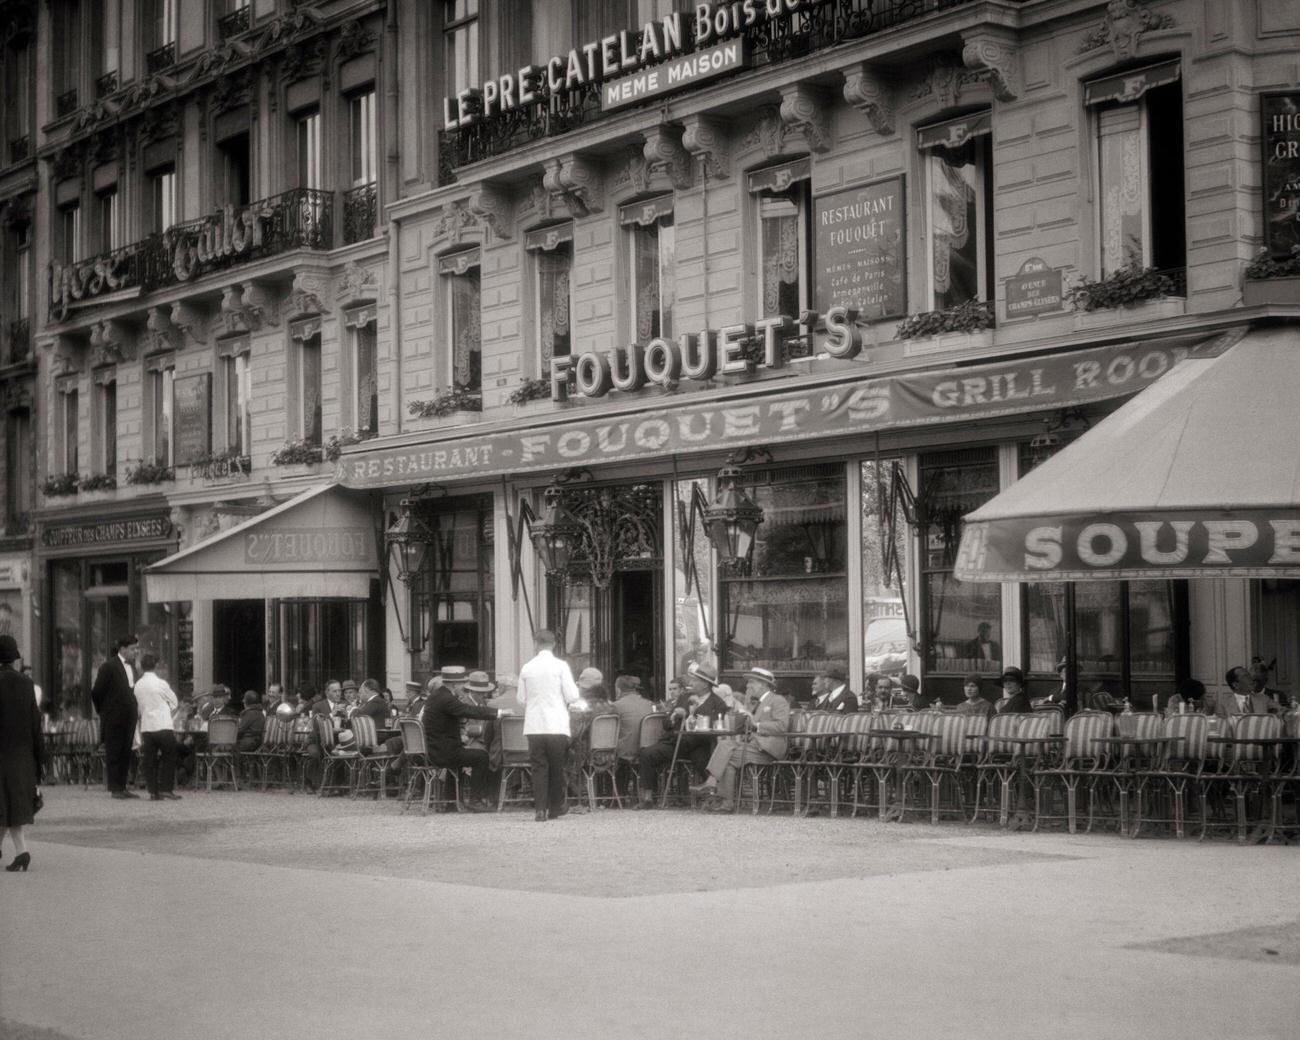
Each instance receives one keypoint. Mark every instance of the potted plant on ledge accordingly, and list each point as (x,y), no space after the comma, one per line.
(530,391)
(150,473)
(1271,279)
(949,329)
(447,402)
(61,485)
(1108,300)
(302,454)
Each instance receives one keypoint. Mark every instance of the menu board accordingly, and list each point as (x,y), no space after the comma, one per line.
(861,250)
(193,401)
(1281,142)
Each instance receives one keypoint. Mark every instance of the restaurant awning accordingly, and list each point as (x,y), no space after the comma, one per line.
(1198,475)
(322,543)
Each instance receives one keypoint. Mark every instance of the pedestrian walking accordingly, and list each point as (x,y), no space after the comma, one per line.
(546,689)
(156,703)
(114,699)
(22,753)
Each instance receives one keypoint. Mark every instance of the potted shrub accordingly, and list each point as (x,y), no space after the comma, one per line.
(150,473)
(529,391)
(447,402)
(949,329)
(98,482)
(301,452)
(61,485)
(1111,298)
(334,446)
(1272,280)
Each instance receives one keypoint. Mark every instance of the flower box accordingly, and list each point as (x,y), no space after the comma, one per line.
(1260,292)
(1147,310)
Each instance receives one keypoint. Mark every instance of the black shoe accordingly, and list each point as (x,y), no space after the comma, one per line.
(170,796)
(20,863)
(155,798)
(555,814)
(701,790)
(540,816)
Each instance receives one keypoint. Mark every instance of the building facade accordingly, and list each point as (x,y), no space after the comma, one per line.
(883,257)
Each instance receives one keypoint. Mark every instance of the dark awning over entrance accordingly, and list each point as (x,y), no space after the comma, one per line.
(1199,475)
(320,544)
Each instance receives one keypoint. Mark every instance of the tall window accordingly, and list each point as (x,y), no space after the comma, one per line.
(110,220)
(22,270)
(309,153)
(782,197)
(162,197)
(160,377)
(1139,154)
(236,170)
(70,232)
(552,252)
(68,426)
(66,44)
(306,337)
(105,418)
(361,116)
(18,95)
(460,44)
(162,24)
(237,387)
(653,288)
(18,469)
(365,385)
(959,193)
(460,273)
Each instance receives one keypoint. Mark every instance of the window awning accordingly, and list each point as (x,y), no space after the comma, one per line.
(953,133)
(647,212)
(1129,86)
(549,238)
(1196,476)
(322,543)
(780,177)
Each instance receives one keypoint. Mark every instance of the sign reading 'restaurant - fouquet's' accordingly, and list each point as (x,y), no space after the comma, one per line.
(625,54)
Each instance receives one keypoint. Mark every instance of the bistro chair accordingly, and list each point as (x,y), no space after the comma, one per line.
(334,763)
(58,753)
(1083,761)
(828,765)
(370,773)
(85,756)
(785,775)
(433,781)
(855,749)
(997,763)
(602,757)
(515,760)
(653,728)
(1132,758)
(1245,772)
(1286,782)
(275,753)
(220,754)
(951,760)
(1171,773)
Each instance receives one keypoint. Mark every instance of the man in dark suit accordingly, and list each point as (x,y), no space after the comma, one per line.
(831,692)
(114,699)
(984,647)
(372,703)
(441,719)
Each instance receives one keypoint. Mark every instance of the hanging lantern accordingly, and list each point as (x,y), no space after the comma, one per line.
(408,542)
(731,519)
(555,536)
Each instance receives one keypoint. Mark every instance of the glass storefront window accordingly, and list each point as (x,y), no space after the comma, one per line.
(886,640)
(322,640)
(66,686)
(694,634)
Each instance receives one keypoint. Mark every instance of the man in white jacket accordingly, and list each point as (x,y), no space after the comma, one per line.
(157,739)
(546,689)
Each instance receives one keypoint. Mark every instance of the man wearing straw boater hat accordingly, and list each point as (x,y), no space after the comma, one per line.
(765,719)
(442,717)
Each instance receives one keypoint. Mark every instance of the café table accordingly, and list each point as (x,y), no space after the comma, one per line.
(708,733)
(1269,767)
(907,740)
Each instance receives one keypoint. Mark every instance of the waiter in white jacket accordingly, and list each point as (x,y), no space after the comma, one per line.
(157,739)
(546,689)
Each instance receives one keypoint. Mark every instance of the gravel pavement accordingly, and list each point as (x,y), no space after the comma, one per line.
(274,915)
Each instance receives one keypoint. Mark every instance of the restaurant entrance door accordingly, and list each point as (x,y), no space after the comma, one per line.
(239,645)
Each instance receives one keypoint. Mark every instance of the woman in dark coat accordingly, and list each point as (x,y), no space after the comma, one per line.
(22,752)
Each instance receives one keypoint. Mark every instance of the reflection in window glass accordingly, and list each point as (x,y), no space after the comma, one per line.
(956,222)
(466,329)
(554,330)
(1099,622)
(1151,628)
(1047,605)
(65,687)
(885,637)
(694,639)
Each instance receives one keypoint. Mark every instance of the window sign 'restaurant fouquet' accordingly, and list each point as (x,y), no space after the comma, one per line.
(730,351)
(620,55)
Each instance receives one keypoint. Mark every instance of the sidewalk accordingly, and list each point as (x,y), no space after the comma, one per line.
(330,918)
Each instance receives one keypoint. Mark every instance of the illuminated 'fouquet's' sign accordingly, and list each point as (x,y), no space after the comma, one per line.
(619,55)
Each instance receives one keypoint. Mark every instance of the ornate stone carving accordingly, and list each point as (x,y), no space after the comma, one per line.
(945,82)
(768,131)
(354,39)
(66,355)
(665,154)
(575,183)
(302,58)
(17,393)
(191,320)
(872,94)
(232,90)
(310,292)
(704,137)
(68,162)
(246,308)
(631,176)
(494,206)
(159,122)
(215,59)
(455,219)
(95,112)
(110,343)
(159,332)
(1125,22)
(804,109)
(357,284)
(535,205)
(997,52)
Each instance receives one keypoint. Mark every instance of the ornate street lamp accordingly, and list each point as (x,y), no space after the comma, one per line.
(732,519)
(408,541)
(556,535)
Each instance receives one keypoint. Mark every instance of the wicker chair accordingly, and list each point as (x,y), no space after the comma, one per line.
(333,763)
(997,762)
(653,728)
(1246,771)
(370,773)
(275,753)
(515,760)
(433,781)
(1132,759)
(951,759)
(1083,761)
(1177,767)
(220,754)
(771,776)
(602,758)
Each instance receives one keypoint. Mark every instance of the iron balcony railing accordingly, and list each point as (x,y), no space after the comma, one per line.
(66,103)
(20,148)
(160,58)
(360,208)
(792,34)
(301,218)
(106,84)
(234,23)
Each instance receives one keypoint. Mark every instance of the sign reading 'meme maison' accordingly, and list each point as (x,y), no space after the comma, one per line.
(860,250)
(688,71)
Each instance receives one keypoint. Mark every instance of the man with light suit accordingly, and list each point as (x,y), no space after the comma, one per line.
(766,718)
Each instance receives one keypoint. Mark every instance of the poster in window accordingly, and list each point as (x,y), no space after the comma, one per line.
(193,396)
(861,250)
(1281,137)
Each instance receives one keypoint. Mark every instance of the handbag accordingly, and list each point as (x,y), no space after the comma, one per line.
(39,803)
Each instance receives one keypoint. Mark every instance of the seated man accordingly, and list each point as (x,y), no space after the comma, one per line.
(252,723)
(975,703)
(831,692)
(1098,698)
(631,707)
(767,718)
(1242,697)
(698,701)
(442,716)
(372,703)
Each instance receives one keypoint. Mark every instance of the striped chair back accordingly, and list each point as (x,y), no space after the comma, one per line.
(653,728)
(1081,734)
(413,745)
(1000,728)
(1188,733)
(85,735)
(363,728)
(798,720)
(1291,723)
(324,731)
(1255,727)
(604,734)
(1054,712)
(513,742)
(952,730)
(855,742)
(1035,727)
(802,722)
(223,732)
(1143,725)
(276,735)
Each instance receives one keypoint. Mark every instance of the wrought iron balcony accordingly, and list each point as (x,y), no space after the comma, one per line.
(301,218)
(66,103)
(20,148)
(160,58)
(813,26)
(234,23)
(17,343)
(106,84)
(360,208)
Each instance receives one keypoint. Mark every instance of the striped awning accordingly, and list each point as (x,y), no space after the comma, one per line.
(647,212)
(458,263)
(1130,86)
(953,133)
(781,176)
(546,239)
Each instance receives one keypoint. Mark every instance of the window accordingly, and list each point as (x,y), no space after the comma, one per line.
(460,45)
(652,287)
(460,273)
(18,469)
(361,116)
(306,337)
(959,191)
(161,26)
(309,153)
(782,197)
(22,270)
(105,419)
(885,615)
(66,38)
(18,97)
(365,386)
(237,393)
(160,375)
(236,170)
(162,197)
(68,430)
(110,221)
(1138,118)
(552,252)
(70,232)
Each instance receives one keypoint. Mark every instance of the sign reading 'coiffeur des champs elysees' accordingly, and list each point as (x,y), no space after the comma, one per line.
(599,61)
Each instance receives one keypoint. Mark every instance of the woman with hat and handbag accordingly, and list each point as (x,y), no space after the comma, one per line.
(22,752)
